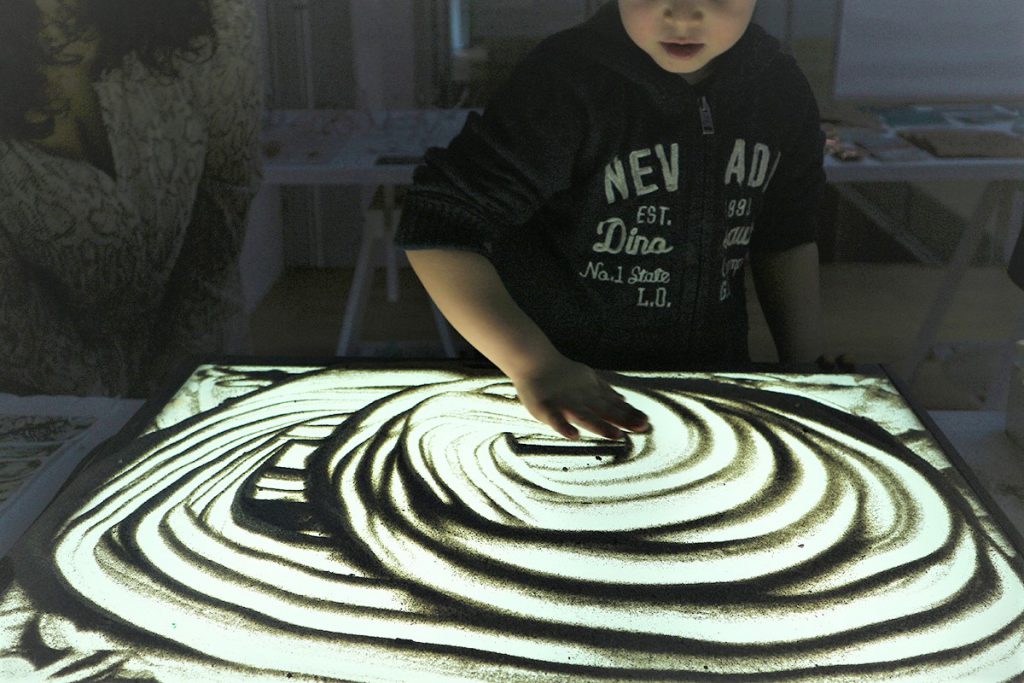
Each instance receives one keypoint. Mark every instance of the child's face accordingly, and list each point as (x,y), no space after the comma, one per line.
(684,36)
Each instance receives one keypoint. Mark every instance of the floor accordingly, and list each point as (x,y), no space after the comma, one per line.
(872,311)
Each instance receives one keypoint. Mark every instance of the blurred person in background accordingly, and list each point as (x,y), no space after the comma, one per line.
(128,160)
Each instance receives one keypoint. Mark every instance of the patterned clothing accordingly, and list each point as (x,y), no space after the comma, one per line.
(106,283)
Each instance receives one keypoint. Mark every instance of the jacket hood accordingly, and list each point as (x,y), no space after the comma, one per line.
(735,69)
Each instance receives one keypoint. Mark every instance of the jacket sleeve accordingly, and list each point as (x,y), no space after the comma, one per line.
(43,350)
(789,216)
(502,166)
(202,311)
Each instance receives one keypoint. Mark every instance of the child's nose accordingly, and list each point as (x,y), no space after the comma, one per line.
(684,10)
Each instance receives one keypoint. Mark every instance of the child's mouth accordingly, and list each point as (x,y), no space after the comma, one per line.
(686,51)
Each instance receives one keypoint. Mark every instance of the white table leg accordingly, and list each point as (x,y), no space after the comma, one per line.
(359,290)
(998,388)
(995,193)
(1006,222)
(388,238)
(317,229)
(889,225)
(377,235)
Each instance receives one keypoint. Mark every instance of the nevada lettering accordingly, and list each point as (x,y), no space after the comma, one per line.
(757,171)
(617,180)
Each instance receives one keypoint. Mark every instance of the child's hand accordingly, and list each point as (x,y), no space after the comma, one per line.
(563,392)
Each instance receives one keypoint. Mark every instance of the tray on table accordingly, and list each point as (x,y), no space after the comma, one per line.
(361,521)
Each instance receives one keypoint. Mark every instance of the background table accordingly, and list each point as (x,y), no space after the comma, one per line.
(369,149)
(1000,208)
(332,147)
(382,148)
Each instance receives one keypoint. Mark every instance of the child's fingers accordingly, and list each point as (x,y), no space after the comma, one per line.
(554,419)
(590,421)
(626,416)
(614,408)
(617,409)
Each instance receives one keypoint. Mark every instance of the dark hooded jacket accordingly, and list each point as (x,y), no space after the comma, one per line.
(619,203)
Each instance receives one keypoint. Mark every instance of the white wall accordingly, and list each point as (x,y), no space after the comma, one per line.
(524,18)
(383,48)
(931,51)
(366,53)
(810,18)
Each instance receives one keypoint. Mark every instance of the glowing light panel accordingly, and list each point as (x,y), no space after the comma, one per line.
(420,525)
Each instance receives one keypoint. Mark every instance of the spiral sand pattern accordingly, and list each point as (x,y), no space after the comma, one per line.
(348,526)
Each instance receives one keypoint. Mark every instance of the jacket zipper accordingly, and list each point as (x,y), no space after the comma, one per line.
(707,123)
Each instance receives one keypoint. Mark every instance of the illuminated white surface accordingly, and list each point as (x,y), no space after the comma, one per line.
(388,525)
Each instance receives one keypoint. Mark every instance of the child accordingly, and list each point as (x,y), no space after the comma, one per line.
(600,212)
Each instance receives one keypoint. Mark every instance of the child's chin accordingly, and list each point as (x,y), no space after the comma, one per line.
(694,75)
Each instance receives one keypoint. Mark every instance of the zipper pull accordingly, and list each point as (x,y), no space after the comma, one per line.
(707,124)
